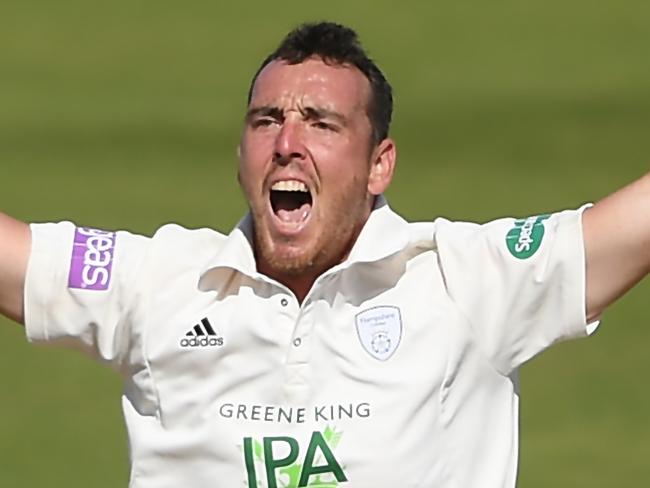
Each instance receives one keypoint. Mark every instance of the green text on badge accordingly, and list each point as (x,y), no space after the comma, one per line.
(524,239)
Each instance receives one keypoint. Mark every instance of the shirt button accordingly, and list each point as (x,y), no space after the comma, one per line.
(297,341)
(284,302)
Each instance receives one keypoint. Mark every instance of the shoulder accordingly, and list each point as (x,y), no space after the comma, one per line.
(177,243)
(170,234)
(508,241)
(171,254)
(441,231)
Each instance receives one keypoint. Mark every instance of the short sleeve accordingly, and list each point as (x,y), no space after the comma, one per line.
(81,286)
(520,283)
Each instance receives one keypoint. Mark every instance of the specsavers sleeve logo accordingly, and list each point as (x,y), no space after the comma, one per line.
(92,259)
(524,239)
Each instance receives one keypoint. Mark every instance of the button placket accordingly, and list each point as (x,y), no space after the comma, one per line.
(287,314)
(299,346)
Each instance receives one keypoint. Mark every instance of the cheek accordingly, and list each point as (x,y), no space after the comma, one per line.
(249,179)
(256,147)
(253,158)
(344,158)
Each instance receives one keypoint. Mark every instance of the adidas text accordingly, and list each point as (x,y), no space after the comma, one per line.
(202,341)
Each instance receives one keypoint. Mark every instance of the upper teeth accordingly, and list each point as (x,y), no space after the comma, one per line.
(289,185)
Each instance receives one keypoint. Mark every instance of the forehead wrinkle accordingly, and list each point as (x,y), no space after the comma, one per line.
(305,107)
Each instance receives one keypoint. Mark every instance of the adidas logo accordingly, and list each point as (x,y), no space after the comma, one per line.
(202,335)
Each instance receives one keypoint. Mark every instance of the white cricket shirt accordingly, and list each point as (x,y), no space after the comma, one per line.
(399,369)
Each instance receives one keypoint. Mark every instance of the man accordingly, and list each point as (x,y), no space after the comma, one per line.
(325,341)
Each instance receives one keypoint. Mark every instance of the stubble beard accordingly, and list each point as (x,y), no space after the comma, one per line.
(330,246)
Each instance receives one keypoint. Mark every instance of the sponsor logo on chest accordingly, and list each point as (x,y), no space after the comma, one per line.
(281,462)
(309,460)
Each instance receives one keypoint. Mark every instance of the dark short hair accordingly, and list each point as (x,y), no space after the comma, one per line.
(337,44)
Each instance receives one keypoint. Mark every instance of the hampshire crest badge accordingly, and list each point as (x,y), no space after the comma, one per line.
(379,330)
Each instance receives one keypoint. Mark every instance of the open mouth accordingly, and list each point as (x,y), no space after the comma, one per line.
(291,201)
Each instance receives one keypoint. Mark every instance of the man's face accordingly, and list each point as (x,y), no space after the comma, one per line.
(307,167)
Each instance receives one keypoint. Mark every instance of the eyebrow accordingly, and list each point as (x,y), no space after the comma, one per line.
(265,111)
(311,113)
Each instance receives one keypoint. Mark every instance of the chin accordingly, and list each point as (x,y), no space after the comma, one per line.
(290,263)
(284,258)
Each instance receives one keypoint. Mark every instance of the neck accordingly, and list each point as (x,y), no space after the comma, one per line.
(299,284)
(301,281)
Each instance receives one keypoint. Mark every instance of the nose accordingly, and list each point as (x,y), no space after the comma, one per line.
(289,144)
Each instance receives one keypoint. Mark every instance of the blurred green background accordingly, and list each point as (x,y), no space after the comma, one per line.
(126,114)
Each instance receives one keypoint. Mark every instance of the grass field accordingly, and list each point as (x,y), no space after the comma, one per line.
(126,115)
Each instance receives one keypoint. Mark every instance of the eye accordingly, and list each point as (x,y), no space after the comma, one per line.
(324,126)
(264,122)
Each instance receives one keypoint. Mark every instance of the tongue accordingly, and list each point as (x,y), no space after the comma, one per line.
(294,215)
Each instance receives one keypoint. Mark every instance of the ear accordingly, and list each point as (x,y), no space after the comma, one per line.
(239,163)
(382,167)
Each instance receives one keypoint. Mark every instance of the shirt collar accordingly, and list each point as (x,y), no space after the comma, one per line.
(384,234)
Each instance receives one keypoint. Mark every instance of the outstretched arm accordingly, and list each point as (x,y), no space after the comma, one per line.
(617,244)
(15,243)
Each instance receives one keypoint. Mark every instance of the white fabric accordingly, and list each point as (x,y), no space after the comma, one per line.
(399,368)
